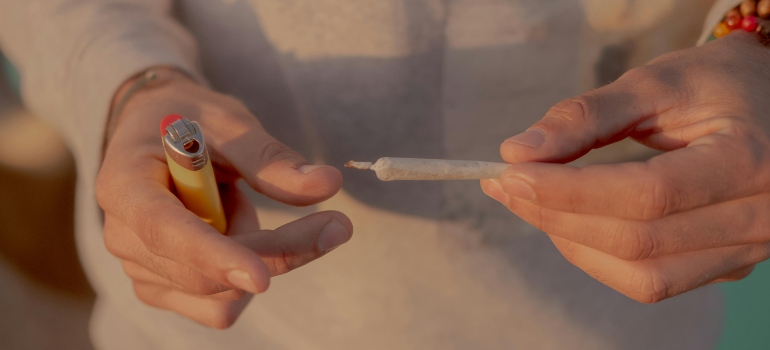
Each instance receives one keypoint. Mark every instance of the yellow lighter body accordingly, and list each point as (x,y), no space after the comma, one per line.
(191,170)
(197,189)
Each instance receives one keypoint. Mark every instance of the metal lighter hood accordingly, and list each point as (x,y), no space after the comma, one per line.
(185,145)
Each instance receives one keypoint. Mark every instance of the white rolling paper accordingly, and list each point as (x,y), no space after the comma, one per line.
(392,169)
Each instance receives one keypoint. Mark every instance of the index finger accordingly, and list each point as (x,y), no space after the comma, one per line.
(267,165)
(573,127)
(140,197)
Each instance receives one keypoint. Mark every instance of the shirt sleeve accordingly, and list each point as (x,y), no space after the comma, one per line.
(716,14)
(73,55)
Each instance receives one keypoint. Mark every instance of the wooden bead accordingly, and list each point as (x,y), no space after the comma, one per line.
(763,8)
(750,24)
(721,30)
(748,8)
(734,22)
(734,12)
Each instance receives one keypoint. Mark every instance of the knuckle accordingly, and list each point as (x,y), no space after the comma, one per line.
(195,256)
(661,77)
(272,150)
(282,263)
(583,109)
(144,295)
(541,222)
(657,197)
(634,241)
(649,286)
(223,317)
(130,270)
(640,74)
(150,225)
(631,241)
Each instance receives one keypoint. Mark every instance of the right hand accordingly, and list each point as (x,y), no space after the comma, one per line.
(178,262)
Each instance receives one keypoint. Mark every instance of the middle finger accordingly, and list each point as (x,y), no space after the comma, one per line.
(123,243)
(732,223)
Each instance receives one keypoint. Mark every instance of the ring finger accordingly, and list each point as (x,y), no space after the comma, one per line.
(138,273)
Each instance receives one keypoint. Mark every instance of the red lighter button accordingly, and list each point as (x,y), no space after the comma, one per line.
(168,120)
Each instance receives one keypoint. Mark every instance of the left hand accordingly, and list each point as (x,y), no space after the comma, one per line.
(697,214)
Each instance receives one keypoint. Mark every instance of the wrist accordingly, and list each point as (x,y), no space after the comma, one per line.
(136,88)
(142,83)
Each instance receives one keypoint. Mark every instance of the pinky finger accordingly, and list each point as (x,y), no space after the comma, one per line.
(212,313)
(736,275)
(140,274)
(652,280)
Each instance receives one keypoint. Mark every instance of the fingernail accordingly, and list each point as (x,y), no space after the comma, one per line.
(306,169)
(517,187)
(333,235)
(242,280)
(495,190)
(533,138)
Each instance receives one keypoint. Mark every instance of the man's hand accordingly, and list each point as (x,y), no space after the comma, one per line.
(698,213)
(177,261)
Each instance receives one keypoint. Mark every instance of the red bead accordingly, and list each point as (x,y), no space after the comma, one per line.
(734,22)
(750,23)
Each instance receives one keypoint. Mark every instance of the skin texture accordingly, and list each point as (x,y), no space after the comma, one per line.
(693,215)
(178,262)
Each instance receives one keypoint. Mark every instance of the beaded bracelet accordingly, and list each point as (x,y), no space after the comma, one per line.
(748,16)
(151,77)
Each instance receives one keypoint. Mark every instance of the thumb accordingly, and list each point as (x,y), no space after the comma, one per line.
(299,242)
(272,168)
(595,119)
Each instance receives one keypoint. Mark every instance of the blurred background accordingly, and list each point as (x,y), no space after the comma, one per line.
(45,299)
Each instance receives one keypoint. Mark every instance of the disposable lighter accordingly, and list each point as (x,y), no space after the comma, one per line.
(190,167)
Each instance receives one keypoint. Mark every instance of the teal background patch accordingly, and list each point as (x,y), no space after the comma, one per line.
(10,73)
(747,312)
